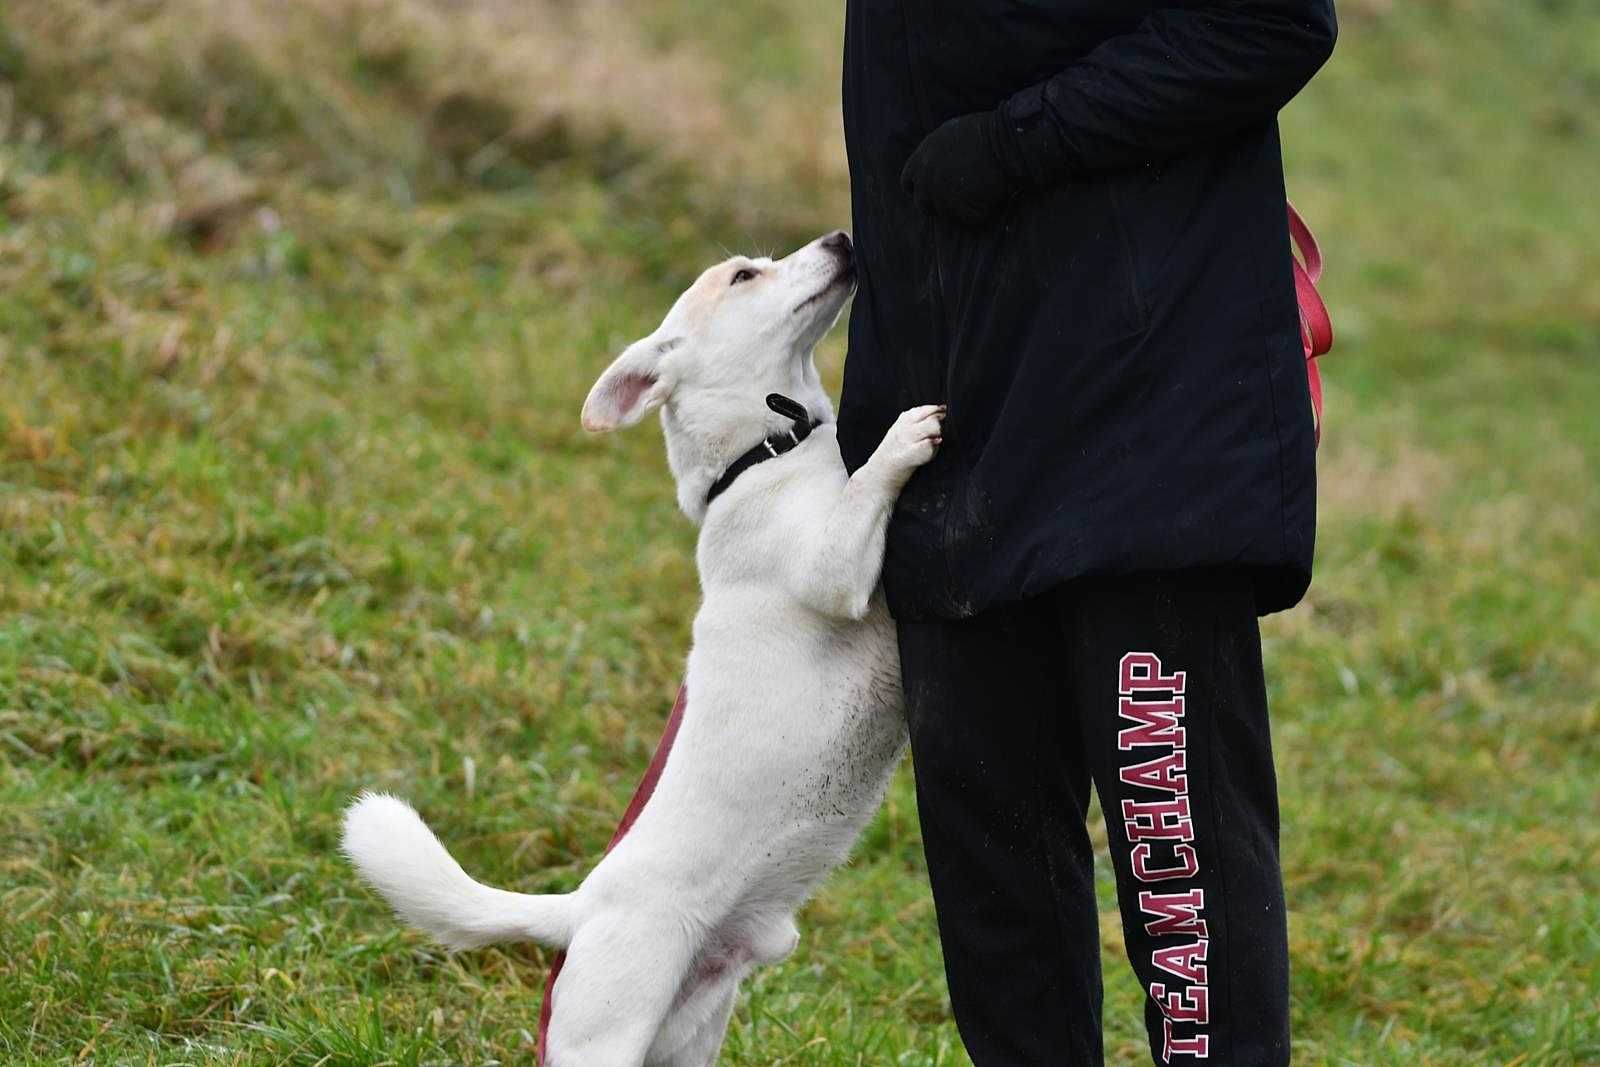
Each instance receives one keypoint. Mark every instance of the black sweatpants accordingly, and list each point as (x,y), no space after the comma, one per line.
(1151,688)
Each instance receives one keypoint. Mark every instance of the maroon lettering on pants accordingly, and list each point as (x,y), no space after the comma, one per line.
(1157,824)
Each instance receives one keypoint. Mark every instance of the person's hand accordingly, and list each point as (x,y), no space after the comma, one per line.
(956,173)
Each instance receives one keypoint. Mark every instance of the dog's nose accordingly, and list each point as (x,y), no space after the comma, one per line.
(838,241)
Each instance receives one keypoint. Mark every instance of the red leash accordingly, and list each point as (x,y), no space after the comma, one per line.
(1316,328)
(647,786)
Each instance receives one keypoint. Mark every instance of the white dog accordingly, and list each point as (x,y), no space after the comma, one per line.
(795,718)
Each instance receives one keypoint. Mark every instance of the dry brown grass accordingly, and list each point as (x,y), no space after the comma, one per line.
(1355,480)
(205,99)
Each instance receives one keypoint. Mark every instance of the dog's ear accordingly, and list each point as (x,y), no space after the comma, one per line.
(632,387)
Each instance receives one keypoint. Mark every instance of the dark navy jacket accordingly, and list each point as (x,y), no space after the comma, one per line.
(1120,352)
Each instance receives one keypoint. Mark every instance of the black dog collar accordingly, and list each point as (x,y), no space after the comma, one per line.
(771,447)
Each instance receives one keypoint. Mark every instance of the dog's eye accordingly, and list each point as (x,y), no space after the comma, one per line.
(742,275)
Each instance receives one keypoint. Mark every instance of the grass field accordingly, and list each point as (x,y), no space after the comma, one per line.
(298,303)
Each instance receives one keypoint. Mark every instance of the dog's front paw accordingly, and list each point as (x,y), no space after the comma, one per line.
(913,439)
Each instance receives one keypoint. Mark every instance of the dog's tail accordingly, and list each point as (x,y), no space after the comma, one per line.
(396,852)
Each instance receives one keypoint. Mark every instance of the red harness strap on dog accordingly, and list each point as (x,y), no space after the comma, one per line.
(647,786)
(1316,328)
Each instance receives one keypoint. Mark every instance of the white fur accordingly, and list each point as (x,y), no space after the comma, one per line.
(794,720)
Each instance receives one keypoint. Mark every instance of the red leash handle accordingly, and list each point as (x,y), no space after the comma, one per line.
(647,786)
(1316,327)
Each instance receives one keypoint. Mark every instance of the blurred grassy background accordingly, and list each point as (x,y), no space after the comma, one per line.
(298,302)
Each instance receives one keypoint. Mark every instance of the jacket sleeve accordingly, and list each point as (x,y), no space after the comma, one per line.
(1185,77)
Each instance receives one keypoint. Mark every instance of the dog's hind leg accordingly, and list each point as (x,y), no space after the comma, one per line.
(703,1046)
(622,973)
(698,1024)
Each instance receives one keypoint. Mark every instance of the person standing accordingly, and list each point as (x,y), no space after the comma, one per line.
(1070,228)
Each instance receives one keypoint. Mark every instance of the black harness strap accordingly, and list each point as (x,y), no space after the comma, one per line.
(770,447)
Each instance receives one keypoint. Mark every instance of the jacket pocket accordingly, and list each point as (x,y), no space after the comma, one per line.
(1074,263)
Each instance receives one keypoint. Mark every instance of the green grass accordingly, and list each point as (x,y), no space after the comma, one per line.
(293,501)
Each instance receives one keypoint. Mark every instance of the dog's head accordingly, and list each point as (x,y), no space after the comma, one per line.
(744,329)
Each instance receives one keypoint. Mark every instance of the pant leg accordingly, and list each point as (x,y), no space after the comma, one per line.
(1170,694)
(1002,793)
